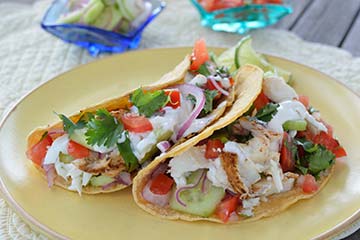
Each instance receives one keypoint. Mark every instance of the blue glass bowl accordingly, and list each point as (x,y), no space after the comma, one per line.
(95,40)
(242,19)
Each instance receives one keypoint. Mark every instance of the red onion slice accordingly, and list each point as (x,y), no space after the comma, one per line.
(181,189)
(123,178)
(50,173)
(161,168)
(163,146)
(203,184)
(199,95)
(217,86)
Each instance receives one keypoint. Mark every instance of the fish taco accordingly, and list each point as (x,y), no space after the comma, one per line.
(101,148)
(278,152)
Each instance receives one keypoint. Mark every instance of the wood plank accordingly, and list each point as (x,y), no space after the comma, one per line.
(352,40)
(327,21)
(299,6)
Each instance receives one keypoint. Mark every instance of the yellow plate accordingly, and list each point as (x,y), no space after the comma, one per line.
(63,214)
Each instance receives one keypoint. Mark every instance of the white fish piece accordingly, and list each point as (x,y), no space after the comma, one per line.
(189,161)
(278,90)
(248,206)
(247,169)
(194,159)
(277,175)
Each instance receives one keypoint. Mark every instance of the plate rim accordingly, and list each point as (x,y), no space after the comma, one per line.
(341,227)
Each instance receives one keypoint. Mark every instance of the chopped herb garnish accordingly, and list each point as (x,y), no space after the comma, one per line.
(127,154)
(313,159)
(320,160)
(266,113)
(103,129)
(204,70)
(68,125)
(44,135)
(150,102)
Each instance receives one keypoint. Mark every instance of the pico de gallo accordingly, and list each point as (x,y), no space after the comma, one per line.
(214,5)
(104,148)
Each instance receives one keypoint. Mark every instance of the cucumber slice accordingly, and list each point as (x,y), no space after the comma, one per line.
(72,17)
(98,181)
(93,12)
(79,137)
(160,136)
(227,59)
(197,202)
(108,19)
(245,54)
(65,158)
(298,125)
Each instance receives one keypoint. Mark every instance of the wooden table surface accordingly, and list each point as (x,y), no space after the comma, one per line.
(332,22)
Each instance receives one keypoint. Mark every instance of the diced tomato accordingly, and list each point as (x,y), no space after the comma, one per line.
(161,184)
(226,207)
(136,123)
(304,100)
(261,101)
(213,148)
(208,5)
(309,185)
(287,160)
(210,86)
(231,80)
(222,4)
(307,134)
(77,151)
(260,1)
(326,140)
(199,56)
(38,152)
(174,98)
(339,152)
(275,1)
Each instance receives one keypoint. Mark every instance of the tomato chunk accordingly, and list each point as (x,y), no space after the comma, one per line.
(174,98)
(210,86)
(77,151)
(304,100)
(261,101)
(221,4)
(161,184)
(226,207)
(136,123)
(326,140)
(199,56)
(339,152)
(287,161)
(309,185)
(38,152)
(208,5)
(213,148)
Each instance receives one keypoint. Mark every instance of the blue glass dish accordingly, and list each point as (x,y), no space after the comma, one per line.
(95,40)
(242,19)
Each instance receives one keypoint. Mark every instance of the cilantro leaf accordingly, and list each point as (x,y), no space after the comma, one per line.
(150,102)
(209,99)
(320,160)
(266,113)
(127,154)
(307,145)
(204,70)
(103,129)
(68,125)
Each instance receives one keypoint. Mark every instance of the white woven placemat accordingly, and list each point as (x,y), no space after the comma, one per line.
(29,56)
